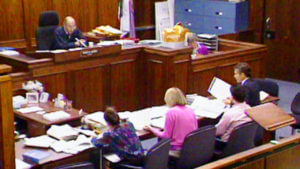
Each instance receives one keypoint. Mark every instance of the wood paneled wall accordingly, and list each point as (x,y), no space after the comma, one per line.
(19,18)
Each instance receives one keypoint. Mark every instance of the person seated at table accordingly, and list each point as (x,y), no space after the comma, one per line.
(234,116)
(180,120)
(68,36)
(121,139)
(243,76)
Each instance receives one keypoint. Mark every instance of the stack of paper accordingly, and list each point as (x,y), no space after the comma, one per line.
(56,116)
(21,164)
(72,147)
(140,118)
(30,109)
(9,52)
(58,51)
(159,122)
(43,141)
(19,101)
(97,117)
(208,108)
(64,132)
(158,111)
(124,115)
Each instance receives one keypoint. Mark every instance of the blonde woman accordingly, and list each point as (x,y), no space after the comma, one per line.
(180,119)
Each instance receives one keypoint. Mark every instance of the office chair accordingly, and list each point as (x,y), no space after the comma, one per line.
(268,86)
(295,108)
(48,22)
(156,158)
(198,149)
(241,139)
(82,165)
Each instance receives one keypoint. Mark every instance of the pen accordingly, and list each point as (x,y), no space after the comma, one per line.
(80,42)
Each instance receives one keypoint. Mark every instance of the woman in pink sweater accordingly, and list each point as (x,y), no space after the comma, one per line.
(180,120)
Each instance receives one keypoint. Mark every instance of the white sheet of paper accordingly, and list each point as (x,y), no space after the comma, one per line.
(114,158)
(161,12)
(263,95)
(171,5)
(140,118)
(219,89)
(21,164)
(208,108)
(97,117)
(61,132)
(43,141)
(159,123)
(30,109)
(55,116)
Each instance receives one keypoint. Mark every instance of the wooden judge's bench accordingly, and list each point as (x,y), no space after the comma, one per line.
(133,77)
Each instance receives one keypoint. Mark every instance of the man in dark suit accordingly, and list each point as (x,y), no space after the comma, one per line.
(242,74)
(68,36)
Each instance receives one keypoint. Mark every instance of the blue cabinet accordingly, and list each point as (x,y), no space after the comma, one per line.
(212,16)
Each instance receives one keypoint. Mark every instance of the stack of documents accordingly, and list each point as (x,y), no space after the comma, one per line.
(64,132)
(21,164)
(43,141)
(205,107)
(56,116)
(72,147)
(9,52)
(30,109)
(19,101)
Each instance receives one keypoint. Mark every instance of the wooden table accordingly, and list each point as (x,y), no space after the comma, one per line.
(58,159)
(37,125)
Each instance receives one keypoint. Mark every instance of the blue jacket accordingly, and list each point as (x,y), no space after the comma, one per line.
(64,40)
(252,97)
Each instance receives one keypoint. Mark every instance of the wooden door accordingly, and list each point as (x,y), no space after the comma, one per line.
(284,39)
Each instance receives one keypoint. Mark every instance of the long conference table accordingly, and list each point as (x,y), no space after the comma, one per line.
(131,78)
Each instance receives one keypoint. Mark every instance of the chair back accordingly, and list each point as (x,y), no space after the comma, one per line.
(82,165)
(241,139)
(158,156)
(259,135)
(268,86)
(48,22)
(295,107)
(198,148)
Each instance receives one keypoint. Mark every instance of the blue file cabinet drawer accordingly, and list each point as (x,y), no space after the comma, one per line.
(190,21)
(219,26)
(219,17)
(190,7)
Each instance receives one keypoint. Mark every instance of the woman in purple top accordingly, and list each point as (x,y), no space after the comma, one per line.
(180,120)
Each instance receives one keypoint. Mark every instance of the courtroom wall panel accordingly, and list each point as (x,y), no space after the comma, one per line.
(54,84)
(156,77)
(11,19)
(124,84)
(87,88)
(200,80)
(32,11)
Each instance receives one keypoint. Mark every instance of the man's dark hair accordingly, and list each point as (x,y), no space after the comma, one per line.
(244,67)
(238,92)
